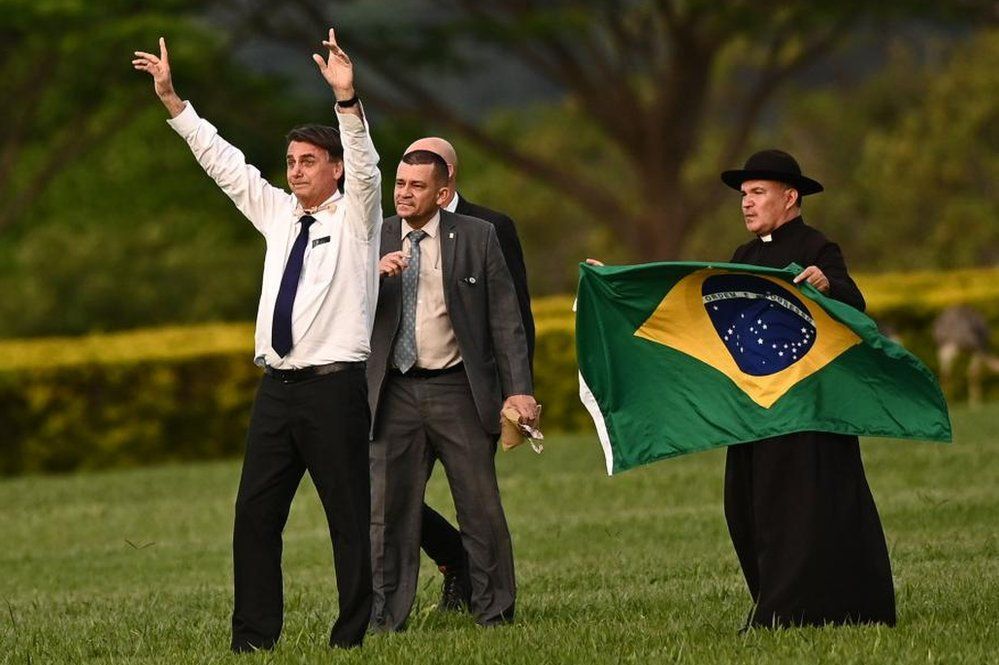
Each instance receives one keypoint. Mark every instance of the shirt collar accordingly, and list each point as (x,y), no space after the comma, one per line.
(452,205)
(430,227)
(328,204)
(783,228)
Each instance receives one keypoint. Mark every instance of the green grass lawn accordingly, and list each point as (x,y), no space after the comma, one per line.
(134,566)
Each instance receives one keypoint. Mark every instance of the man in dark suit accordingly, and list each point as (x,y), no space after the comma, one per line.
(440,540)
(448,353)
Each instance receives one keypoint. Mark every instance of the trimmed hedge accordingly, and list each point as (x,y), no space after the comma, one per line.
(907,303)
(182,393)
(102,415)
(918,297)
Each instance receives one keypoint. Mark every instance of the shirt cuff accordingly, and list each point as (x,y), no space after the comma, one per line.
(350,122)
(186,121)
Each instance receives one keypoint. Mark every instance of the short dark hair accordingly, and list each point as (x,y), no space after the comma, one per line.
(322,136)
(428,157)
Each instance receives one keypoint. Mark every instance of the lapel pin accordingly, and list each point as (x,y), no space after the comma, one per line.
(451,235)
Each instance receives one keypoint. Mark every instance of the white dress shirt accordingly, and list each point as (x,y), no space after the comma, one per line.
(335,303)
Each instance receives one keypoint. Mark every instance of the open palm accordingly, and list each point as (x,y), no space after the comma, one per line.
(336,68)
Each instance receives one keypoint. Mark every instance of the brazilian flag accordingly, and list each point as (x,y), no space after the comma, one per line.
(680,357)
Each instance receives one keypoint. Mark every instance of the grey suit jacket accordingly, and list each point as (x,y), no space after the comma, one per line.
(483,308)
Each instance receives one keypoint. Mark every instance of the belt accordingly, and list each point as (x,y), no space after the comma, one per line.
(420,373)
(295,375)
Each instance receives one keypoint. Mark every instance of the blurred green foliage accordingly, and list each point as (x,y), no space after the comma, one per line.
(909,157)
(556,231)
(676,90)
(107,223)
(933,175)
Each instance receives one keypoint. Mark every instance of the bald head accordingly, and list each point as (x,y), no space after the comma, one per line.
(441,147)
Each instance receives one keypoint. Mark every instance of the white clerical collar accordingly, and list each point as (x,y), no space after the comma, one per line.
(430,227)
(452,204)
(325,205)
(767,238)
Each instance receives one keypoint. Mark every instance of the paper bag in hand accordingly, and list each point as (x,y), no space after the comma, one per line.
(512,433)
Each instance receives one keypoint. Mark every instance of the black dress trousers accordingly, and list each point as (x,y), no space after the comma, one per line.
(319,425)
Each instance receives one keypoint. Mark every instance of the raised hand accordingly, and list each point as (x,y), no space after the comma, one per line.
(159,68)
(337,69)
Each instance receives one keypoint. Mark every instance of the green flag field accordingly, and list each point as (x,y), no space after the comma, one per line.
(134,566)
(680,357)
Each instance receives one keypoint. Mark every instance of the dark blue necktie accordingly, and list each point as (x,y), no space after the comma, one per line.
(281,325)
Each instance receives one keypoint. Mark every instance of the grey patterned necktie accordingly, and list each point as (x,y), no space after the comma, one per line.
(405,345)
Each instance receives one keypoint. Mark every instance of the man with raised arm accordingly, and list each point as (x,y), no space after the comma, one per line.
(317,301)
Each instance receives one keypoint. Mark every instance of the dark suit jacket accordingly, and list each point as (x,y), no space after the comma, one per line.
(506,232)
(482,305)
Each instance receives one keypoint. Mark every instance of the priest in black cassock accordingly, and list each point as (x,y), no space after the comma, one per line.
(799,510)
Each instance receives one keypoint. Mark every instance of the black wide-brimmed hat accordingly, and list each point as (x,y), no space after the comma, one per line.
(772,165)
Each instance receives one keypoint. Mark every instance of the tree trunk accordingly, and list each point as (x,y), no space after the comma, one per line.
(658,231)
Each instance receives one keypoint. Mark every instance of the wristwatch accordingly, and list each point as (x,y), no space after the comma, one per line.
(347,103)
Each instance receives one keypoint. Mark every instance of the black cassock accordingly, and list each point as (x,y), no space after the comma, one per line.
(799,510)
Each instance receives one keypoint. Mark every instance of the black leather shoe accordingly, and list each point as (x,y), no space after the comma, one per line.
(456,591)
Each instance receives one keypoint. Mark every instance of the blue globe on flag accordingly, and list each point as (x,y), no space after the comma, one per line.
(765,327)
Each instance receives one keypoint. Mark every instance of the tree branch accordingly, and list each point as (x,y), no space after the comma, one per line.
(428,104)
(602,88)
(571,184)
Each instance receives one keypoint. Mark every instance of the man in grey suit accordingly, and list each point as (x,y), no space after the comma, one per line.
(448,352)
(440,540)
